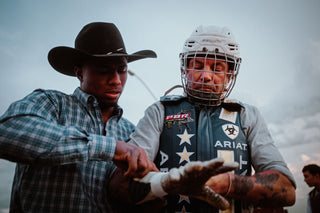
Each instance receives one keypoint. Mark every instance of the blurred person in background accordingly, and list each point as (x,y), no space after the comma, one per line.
(311,175)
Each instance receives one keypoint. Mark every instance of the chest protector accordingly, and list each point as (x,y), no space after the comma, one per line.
(192,133)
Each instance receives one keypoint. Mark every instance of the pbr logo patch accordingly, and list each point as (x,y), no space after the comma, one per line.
(231,130)
(181,118)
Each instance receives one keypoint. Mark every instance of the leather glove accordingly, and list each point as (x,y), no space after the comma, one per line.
(190,180)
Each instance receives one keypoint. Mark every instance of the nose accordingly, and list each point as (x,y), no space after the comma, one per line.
(114,78)
(206,76)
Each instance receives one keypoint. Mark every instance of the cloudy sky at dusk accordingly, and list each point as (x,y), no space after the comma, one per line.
(279,44)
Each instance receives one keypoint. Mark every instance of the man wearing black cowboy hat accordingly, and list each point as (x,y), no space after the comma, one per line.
(64,145)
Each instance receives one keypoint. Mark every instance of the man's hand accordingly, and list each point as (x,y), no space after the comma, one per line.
(133,160)
(190,180)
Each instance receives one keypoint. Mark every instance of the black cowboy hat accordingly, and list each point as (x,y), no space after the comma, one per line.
(95,40)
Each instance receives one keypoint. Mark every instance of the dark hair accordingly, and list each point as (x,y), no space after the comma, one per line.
(312,168)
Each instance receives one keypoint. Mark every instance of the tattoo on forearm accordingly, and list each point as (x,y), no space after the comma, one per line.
(242,185)
(267,180)
(269,197)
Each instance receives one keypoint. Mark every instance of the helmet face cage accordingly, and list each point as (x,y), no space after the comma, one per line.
(210,55)
(208,93)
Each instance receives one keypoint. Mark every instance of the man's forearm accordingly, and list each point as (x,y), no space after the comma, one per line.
(265,189)
(31,139)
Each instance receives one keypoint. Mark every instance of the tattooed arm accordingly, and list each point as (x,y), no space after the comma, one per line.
(273,184)
(265,189)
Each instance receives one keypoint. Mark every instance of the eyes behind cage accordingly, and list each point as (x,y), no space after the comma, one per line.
(215,66)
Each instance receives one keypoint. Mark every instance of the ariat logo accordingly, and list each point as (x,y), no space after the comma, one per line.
(182,118)
(231,130)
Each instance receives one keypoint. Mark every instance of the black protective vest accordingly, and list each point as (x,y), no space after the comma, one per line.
(193,133)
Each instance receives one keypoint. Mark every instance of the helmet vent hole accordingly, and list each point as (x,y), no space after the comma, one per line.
(190,43)
(204,49)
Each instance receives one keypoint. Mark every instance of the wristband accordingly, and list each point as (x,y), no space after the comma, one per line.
(155,183)
(229,188)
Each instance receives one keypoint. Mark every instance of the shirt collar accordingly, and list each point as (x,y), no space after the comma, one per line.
(89,100)
(85,98)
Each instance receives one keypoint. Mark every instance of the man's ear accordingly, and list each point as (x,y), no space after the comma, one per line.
(78,72)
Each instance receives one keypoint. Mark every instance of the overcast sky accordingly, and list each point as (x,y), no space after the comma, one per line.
(279,44)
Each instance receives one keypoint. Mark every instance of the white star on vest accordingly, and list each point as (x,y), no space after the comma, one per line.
(185,137)
(184,155)
(184,197)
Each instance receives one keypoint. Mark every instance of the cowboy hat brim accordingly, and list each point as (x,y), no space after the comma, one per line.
(63,59)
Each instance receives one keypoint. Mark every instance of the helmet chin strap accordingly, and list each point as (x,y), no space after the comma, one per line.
(204,99)
(203,102)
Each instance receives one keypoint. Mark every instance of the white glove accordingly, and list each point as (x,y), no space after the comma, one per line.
(190,180)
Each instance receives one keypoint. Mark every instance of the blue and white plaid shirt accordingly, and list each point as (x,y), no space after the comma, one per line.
(63,151)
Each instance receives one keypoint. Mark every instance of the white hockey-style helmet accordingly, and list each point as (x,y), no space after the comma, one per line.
(209,42)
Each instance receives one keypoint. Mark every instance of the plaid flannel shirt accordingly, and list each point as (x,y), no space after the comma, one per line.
(63,151)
